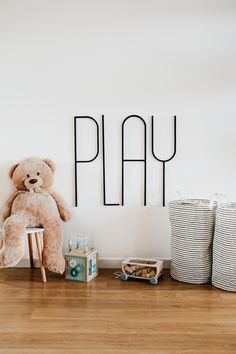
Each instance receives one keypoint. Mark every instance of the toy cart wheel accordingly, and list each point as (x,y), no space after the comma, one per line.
(123,276)
(153,281)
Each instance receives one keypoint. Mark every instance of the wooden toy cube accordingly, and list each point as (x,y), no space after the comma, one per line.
(80,266)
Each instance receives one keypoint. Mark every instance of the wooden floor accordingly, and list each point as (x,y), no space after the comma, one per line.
(111,316)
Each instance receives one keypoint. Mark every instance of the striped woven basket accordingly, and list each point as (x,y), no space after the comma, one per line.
(224,248)
(192,228)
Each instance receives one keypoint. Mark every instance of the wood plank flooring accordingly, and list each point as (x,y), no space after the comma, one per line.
(110,316)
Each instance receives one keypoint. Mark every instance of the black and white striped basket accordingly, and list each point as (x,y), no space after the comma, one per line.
(224,248)
(192,228)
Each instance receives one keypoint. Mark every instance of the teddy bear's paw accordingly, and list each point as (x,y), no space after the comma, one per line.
(10,256)
(65,214)
(54,263)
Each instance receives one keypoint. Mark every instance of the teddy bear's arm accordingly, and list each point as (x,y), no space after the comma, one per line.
(6,212)
(64,210)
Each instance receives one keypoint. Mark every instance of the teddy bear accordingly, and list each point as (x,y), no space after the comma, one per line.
(33,204)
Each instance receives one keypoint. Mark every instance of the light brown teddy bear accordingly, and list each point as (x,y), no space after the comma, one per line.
(33,205)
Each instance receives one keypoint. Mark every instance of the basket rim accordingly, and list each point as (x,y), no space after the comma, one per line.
(227,205)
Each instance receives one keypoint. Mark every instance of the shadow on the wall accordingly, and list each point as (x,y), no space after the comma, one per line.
(6,186)
(152,233)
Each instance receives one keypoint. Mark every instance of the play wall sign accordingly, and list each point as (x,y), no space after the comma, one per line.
(124,159)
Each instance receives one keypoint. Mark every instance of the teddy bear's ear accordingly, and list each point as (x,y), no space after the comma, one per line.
(51,164)
(12,170)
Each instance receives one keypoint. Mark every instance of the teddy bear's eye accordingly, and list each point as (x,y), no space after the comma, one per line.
(27,176)
(38,173)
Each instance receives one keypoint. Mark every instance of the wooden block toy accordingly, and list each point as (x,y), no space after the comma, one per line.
(81,265)
(146,268)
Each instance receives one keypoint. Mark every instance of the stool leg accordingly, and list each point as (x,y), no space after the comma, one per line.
(39,248)
(31,256)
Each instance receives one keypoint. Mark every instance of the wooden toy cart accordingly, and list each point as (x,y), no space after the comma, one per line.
(145,268)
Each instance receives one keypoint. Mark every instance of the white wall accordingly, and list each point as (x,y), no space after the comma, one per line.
(65,58)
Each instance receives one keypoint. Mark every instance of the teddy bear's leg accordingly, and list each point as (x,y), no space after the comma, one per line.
(52,247)
(14,232)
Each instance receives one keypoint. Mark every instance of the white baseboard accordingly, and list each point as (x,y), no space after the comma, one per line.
(116,263)
(102,263)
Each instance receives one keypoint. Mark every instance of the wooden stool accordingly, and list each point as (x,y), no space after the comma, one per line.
(36,232)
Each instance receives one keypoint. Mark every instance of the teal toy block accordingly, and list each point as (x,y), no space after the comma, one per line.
(81,266)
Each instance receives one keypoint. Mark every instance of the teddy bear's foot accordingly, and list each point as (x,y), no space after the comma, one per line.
(54,263)
(10,256)
(12,250)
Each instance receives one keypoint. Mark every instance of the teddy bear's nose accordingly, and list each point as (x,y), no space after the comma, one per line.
(33,180)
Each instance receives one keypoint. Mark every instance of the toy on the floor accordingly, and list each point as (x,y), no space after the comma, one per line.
(33,204)
(81,262)
(145,268)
